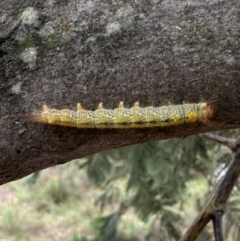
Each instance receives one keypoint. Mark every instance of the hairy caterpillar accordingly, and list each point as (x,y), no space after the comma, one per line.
(121,117)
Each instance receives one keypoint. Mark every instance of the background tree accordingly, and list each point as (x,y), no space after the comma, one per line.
(167,182)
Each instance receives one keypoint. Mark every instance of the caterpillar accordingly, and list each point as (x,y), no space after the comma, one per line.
(121,117)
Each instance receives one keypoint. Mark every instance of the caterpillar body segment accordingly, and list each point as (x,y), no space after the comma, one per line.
(121,117)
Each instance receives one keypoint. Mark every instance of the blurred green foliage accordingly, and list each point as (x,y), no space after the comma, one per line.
(148,192)
(156,178)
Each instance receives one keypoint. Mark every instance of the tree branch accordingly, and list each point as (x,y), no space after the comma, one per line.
(64,52)
(217,226)
(215,207)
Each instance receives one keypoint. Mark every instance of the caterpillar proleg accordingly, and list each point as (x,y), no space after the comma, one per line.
(121,117)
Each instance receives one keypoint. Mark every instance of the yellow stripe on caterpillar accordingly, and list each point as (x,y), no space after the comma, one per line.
(121,117)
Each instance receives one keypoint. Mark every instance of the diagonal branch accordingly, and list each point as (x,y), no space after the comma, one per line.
(216,204)
(229,142)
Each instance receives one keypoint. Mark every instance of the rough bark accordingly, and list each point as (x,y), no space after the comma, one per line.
(63,52)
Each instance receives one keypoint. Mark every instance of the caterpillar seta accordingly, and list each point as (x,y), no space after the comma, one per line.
(121,117)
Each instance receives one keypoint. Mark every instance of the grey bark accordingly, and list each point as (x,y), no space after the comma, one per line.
(61,52)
